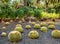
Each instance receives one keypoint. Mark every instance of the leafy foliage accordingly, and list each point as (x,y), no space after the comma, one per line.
(37,13)
(57,8)
(20,13)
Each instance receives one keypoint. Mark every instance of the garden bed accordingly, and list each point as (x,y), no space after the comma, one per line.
(44,38)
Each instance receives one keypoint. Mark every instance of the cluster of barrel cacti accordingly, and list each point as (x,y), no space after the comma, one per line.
(16,34)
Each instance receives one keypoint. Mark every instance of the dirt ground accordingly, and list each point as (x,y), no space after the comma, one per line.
(44,38)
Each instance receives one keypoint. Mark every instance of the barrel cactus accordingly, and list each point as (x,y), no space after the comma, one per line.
(33,34)
(33,23)
(56,33)
(20,29)
(51,27)
(44,29)
(50,23)
(14,36)
(43,24)
(28,27)
(3,34)
(36,26)
(7,23)
(3,28)
(18,25)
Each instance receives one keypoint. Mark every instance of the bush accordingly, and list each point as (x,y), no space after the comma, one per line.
(20,13)
(37,13)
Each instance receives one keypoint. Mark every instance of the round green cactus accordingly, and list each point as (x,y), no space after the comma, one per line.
(7,23)
(33,23)
(56,33)
(37,26)
(20,29)
(50,23)
(3,34)
(3,28)
(33,34)
(28,27)
(14,36)
(51,27)
(18,25)
(44,29)
(43,24)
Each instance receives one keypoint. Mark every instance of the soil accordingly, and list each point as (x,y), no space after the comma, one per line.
(44,38)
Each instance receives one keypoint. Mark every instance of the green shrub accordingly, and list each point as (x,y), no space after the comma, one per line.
(37,13)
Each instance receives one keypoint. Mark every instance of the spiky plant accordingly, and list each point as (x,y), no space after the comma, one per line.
(14,36)
(55,33)
(33,34)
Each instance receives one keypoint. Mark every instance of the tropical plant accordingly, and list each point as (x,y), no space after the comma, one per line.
(20,14)
(3,12)
(57,8)
(54,16)
(37,14)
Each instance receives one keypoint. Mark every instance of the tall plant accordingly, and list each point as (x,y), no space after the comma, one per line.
(30,14)
(20,14)
(37,14)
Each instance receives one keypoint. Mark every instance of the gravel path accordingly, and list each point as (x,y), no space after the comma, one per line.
(45,38)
